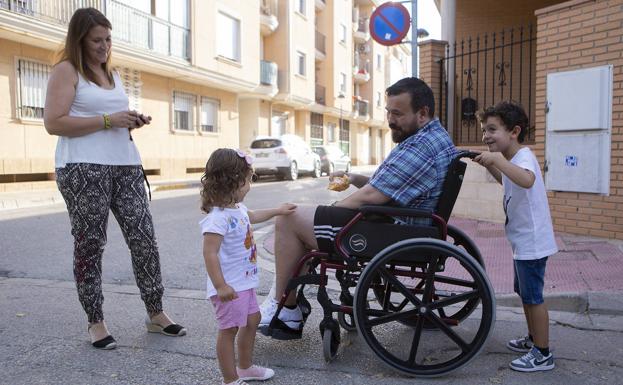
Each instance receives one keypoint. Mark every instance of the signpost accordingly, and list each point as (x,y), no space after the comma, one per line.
(389,23)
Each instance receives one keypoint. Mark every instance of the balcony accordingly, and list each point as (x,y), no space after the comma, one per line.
(268,16)
(320,5)
(131,26)
(55,12)
(268,73)
(362,33)
(321,51)
(360,109)
(361,70)
(321,93)
(146,31)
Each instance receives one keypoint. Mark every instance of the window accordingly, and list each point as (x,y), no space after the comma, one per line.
(300,7)
(345,136)
(228,44)
(131,79)
(330,132)
(209,115)
(300,63)
(343,33)
(342,82)
(183,111)
(316,129)
(32,78)
(379,61)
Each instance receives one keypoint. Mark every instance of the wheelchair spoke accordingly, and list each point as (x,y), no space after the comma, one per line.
(454,281)
(406,292)
(391,317)
(454,299)
(449,332)
(416,340)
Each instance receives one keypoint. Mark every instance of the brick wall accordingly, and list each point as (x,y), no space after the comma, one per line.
(572,35)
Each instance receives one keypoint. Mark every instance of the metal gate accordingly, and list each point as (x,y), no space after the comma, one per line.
(487,69)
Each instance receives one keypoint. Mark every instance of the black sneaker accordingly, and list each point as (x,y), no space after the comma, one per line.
(521,345)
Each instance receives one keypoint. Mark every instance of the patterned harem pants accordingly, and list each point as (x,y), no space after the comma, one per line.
(90,192)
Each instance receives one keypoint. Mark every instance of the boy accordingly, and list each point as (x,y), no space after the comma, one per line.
(528,224)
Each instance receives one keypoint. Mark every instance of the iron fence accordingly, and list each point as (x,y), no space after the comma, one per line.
(486,70)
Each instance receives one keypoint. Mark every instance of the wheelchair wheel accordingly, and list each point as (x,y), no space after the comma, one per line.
(459,239)
(331,339)
(402,316)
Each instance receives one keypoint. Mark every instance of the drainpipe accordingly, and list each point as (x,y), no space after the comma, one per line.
(448,33)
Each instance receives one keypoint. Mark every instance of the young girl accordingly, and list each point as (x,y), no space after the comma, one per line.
(230,256)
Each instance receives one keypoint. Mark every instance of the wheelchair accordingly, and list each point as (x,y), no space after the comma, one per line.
(418,295)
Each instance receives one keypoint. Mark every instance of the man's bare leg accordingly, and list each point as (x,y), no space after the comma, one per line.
(294,236)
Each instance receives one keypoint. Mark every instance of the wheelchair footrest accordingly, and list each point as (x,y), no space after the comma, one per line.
(280,331)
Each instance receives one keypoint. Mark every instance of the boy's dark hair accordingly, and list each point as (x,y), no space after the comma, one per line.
(511,114)
(226,171)
(421,94)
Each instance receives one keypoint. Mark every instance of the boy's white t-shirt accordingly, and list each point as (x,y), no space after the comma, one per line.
(528,221)
(238,252)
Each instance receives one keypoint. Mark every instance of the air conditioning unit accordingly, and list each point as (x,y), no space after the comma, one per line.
(363,48)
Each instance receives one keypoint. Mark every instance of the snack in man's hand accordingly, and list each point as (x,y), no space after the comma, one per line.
(340,183)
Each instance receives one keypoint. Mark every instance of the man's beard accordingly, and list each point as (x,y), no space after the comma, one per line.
(398,135)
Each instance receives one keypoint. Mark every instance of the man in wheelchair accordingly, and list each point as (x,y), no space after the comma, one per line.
(411,176)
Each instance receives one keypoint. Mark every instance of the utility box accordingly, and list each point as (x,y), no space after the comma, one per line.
(579,126)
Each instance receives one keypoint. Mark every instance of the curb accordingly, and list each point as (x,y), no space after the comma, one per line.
(602,303)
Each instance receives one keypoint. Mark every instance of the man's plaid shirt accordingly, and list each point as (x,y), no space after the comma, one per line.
(413,173)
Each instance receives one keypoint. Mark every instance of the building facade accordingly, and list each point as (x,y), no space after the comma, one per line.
(211,74)
(492,51)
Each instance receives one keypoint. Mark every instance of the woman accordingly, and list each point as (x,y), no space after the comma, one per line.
(98,169)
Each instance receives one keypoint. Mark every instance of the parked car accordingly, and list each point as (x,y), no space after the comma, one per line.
(332,159)
(286,156)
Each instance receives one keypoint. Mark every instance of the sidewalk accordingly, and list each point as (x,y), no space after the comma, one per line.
(586,275)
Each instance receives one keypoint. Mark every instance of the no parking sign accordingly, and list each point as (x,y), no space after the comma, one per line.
(389,23)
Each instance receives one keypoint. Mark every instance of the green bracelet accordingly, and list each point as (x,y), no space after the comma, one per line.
(107,122)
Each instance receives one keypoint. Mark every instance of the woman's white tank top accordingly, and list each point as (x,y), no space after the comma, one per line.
(109,147)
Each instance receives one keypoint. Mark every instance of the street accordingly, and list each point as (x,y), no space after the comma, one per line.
(44,338)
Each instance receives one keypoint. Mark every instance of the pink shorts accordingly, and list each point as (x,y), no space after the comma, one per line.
(232,314)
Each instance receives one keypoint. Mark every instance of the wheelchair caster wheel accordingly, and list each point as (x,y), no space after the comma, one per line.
(330,332)
(347,322)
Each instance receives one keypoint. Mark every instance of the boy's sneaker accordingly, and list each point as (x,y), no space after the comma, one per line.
(292,318)
(521,345)
(533,361)
(255,373)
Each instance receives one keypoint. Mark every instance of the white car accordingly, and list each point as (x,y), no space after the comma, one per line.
(286,156)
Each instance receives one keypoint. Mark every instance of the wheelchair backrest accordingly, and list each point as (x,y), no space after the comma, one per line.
(451,187)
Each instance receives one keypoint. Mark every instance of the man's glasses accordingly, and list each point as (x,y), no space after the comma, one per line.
(246,157)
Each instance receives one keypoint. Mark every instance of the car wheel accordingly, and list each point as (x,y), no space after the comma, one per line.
(255,178)
(317,171)
(293,173)
(348,167)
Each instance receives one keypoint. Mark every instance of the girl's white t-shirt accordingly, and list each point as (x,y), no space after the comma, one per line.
(108,147)
(528,221)
(238,252)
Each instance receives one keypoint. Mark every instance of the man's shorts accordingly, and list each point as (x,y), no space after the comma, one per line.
(328,221)
(232,314)
(529,278)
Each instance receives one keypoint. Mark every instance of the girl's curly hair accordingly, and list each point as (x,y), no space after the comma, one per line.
(226,171)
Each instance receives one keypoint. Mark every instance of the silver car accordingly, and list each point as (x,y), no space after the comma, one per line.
(332,159)
(286,157)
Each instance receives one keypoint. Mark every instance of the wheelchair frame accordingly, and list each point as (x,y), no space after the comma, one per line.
(403,284)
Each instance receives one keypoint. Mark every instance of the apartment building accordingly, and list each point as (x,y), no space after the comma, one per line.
(211,73)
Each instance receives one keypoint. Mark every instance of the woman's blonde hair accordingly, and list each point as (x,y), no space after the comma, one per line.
(82,21)
(226,171)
